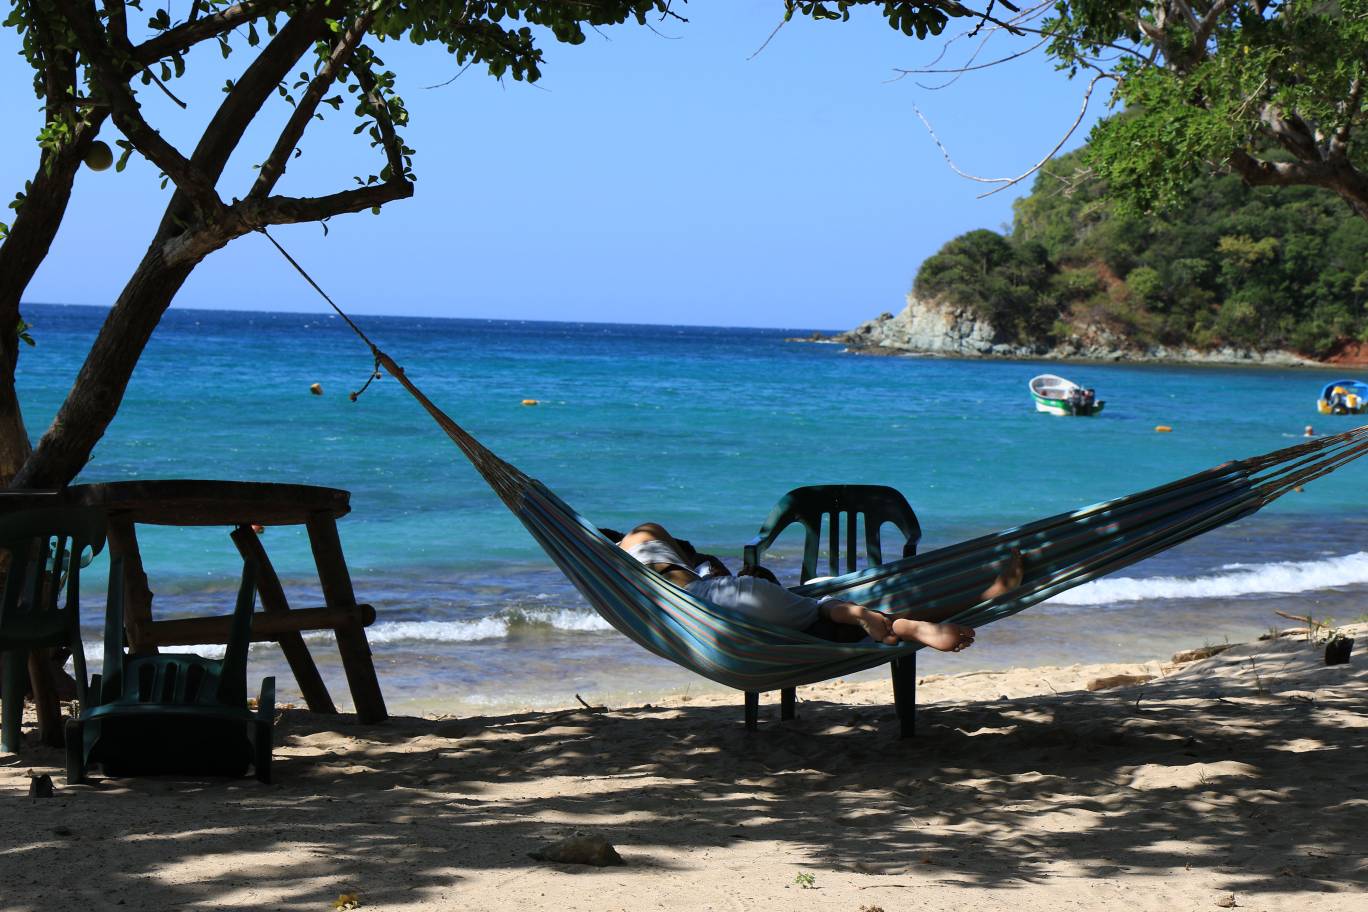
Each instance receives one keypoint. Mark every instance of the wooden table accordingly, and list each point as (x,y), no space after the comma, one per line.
(240,505)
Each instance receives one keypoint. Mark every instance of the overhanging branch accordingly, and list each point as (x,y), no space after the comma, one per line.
(290,210)
(1260,173)
(274,166)
(125,111)
(186,35)
(379,109)
(1004,182)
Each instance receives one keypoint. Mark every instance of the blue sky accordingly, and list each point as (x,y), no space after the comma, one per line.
(650,178)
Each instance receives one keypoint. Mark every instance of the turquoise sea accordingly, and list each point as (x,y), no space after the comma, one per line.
(701,429)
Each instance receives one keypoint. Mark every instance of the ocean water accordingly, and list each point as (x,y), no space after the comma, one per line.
(702,429)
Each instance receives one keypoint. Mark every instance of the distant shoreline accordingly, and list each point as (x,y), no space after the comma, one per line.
(1122,358)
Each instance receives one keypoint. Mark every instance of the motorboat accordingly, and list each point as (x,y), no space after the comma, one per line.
(1343,397)
(1057,396)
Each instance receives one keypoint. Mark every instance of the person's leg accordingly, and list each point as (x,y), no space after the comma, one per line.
(955,637)
(1008,579)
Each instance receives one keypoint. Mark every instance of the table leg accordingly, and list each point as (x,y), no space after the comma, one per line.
(351,638)
(45,700)
(123,542)
(272,596)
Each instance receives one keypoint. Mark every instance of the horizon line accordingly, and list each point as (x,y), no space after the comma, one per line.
(332,315)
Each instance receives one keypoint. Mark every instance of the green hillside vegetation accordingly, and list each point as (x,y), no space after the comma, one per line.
(1262,269)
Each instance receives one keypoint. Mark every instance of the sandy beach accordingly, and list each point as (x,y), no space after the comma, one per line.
(1236,780)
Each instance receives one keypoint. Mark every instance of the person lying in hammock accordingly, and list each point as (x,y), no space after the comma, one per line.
(676,560)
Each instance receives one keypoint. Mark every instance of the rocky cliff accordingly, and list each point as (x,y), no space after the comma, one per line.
(940,328)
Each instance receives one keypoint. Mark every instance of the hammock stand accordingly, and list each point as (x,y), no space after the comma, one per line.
(1059,552)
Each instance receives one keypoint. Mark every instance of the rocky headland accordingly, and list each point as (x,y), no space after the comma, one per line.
(930,327)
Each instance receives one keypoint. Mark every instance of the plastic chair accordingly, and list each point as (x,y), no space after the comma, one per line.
(166,713)
(811,506)
(45,547)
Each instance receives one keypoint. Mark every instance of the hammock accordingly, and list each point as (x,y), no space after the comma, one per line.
(735,650)
(1060,552)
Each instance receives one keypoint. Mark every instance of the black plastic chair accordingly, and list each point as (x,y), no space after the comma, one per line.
(165,713)
(40,603)
(812,507)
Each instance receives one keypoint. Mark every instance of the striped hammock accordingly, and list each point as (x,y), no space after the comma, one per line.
(1060,552)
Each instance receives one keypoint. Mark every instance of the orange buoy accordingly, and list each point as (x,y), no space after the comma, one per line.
(530,402)
(1162,428)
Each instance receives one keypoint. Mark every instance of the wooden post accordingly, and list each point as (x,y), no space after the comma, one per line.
(752,710)
(272,596)
(905,693)
(351,638)
(788,703)
(45,702)
(123,542)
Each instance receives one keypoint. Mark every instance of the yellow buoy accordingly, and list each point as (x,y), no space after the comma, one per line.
(1162,428)
(530,402)
(316,389)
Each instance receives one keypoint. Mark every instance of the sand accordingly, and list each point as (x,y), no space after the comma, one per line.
(1239,780)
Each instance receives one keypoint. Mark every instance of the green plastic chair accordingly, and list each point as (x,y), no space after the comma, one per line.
(40,603)
(166,713)
(813,506)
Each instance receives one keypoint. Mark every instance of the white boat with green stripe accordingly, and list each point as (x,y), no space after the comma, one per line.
(1057,396)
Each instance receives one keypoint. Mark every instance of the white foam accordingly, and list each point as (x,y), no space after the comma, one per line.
(490,628)
(497,626)
(1236,580)
(94,651)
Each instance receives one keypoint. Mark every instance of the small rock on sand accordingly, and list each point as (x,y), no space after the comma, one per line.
(1111,681)
(590,850)
(1196,655)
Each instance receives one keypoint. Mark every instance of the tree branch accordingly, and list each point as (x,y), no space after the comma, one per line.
(1189,17)
(250,214)
(1292,133)
(1005,182)
(1201,32)
(289,210)
(1260,173)
(192,32)
(244,101)
(125,111)
(118,23)
(274,166)
(1339,142)
(379,109)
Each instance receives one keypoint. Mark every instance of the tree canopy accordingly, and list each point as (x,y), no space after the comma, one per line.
(1285,268)
(1272,90)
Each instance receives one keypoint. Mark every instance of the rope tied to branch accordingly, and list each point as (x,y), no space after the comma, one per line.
(375,350)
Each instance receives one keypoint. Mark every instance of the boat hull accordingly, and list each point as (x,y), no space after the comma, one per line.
(1062,407)
(1325,408)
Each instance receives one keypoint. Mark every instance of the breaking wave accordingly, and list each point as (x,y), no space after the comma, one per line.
(1233,581)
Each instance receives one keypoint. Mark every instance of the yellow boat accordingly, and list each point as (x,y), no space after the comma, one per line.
(1343,397)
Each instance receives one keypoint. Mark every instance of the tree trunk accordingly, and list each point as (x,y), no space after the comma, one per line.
(21,253)
(14,440)
(99,388)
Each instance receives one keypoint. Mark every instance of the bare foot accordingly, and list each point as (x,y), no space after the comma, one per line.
(1009,578)
(878,627)
(945,637)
